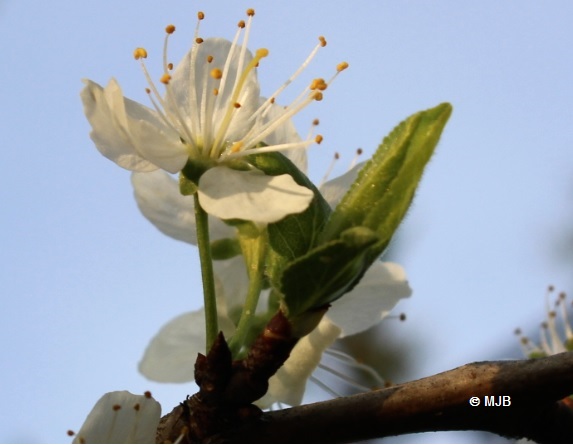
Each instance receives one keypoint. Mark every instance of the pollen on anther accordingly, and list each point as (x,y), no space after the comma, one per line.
(139,53)
(165,78)
(250,12)
(200,15)
(170,29)
(341,66)
(322,41)
(216,73)
(318,84)
(241,24)
(318,139)
(116,407)
(198,40)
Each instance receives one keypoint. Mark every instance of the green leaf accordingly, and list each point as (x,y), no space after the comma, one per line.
(294,235)
(327,272)
(385,187)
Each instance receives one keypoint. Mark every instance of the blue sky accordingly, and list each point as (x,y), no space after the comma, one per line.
(86,281)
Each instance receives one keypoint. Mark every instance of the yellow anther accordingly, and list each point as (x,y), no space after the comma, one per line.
(200,15)
(318,84)
(272,100)
(148,91)
(209,59)
(241,24)
(216,73)
(315,122)
(170,29)
(317,95)
(318,139)
(237,105)
(250,12)
(215,91)
(261,52)
(236,147)
(341,66)
(169,66)
(165,78)
(139,53)
(322,41)
(198,40)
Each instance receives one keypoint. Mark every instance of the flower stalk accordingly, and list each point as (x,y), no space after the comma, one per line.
(209,296)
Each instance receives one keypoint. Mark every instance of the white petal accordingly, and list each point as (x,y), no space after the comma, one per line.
(232,283)
(171,354)
(333,191)
(251,195)
(121,417)
(283,134)
(382,286)
(159,199)
(105,112)
(192,84)
(288,384)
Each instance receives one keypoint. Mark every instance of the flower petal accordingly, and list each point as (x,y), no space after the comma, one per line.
(159,199)
(251,195)
(334,190)
(283,134)
(288,384)
(193,85)
(105,112)
(121,417)
(171,354)
(377,293)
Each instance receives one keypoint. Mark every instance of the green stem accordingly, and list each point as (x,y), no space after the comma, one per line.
(209,297)
(254,253)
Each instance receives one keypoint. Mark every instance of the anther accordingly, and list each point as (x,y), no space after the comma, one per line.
(250,12)
(70,433)
(147,394)
(341,66)
(216,73)
(140,53)
(215,91)
(165,78)
(169,66)
(318,138)
(317,95)
(170,29)
(136,407)
(200,15)
(116,407)
(315,122)
(198,40)
(359,151)
(209,58)
(318,84)
(148,91)
(241,24)
(237,105)
(402,317)
(322,41)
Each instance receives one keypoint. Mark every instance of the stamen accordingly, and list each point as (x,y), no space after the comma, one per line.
(139,53)
(329,169)
(165,78)
(318,138)
(200,15)
(250,12)
(170,29)
(216,73)
(355,158)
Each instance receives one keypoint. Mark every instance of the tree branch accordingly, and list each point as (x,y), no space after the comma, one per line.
(440,402)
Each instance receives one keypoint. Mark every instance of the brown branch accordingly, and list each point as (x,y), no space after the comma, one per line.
(441,402)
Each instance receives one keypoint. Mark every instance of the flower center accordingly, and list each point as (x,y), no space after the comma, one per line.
(212,101)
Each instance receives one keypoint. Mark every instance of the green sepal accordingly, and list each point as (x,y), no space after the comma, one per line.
(186,186)
(294,235)
(327,272)
(385,187)
(225,248)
